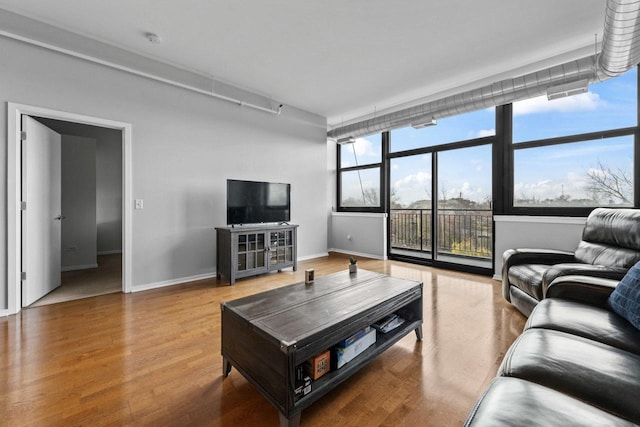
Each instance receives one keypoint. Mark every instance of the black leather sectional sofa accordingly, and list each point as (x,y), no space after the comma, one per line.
(577,363)
(610,245)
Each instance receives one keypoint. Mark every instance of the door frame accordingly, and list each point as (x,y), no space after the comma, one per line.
(14,174)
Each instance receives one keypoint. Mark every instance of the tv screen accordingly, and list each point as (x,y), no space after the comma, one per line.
(251,202)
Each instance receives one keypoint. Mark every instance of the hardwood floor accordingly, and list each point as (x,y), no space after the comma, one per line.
(153,358)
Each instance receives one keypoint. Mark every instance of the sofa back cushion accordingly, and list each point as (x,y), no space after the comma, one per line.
(614,227)
(611,237)
(601,254)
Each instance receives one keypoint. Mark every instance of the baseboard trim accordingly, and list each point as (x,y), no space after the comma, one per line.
(113,252)
(4,313)
(79,267)
(172,282)
(497,277)
(308,257)
(360,254)
(183,280)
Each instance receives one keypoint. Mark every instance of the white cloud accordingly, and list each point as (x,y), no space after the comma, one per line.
(478,165)
(420,179)
(485,132)
(577,151)
(413,187)
(584,102)
(572,184)
(364,147)
(468,191)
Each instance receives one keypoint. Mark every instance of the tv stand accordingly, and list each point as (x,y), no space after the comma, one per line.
(251,250)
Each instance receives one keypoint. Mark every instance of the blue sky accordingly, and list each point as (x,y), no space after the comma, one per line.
(541,172)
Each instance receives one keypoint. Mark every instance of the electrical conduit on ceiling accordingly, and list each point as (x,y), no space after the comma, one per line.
(620,52)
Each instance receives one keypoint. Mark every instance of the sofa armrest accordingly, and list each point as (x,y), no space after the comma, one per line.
(577,269)
(590,290)
(521,256)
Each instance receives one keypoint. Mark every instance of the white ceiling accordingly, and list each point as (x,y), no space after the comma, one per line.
(342,59)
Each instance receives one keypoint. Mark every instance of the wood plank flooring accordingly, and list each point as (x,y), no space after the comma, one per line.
(153,358)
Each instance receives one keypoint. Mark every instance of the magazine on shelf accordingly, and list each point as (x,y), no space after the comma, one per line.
(389,323)
(355,337)
(342,355)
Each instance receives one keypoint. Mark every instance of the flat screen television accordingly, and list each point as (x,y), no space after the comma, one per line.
(252,202)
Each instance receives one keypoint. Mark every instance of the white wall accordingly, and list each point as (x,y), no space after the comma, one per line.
(79,231)
(534,232)
(184,147)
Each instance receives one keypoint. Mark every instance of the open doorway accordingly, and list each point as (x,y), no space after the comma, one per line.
(91,200)
(15,167)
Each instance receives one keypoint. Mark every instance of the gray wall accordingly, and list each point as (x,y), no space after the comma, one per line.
(363,234)
(79,231)
(184,147)
(109,190)
(108,179)
(561,233)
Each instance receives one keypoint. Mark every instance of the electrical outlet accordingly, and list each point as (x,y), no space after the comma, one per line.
(139,204)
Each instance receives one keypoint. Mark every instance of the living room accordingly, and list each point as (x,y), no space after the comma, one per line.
(184,136)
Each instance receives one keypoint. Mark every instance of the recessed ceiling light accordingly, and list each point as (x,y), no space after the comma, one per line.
(153,38)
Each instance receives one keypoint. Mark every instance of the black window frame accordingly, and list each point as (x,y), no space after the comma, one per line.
(505,150)
(382,191)
(503,165)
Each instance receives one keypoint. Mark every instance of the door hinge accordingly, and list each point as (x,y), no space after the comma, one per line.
(23,136)
(23,206)
(23,275)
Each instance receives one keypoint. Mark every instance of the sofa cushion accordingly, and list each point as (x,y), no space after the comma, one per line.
(625,299)
(516,402)
(572,269)
(587,321)
(608,255)
(534,279)
(595,373)
(528,278)
(613,227)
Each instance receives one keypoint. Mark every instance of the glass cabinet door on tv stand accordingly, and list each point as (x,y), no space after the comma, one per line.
(251,251)
(281,248)
(244,251)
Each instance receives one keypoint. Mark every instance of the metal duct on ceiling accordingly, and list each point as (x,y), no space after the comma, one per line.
(621,37)
(620,52)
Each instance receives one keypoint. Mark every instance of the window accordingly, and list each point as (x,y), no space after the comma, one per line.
(463,127)
(587,173)
(576,153)
(440,191)
(611,104)
(364,151)
(360,174)
(360,188)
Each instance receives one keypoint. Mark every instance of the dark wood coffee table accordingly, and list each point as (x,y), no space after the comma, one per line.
(267,335)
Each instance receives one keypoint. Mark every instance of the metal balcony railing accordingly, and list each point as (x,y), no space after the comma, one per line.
(465,232)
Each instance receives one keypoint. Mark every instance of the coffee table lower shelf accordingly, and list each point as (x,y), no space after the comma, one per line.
(331,380)
(268,361)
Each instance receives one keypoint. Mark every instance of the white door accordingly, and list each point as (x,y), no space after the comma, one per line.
(42,218)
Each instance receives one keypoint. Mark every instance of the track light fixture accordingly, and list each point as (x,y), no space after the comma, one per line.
(419,124)
(347,140)
(568,89)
